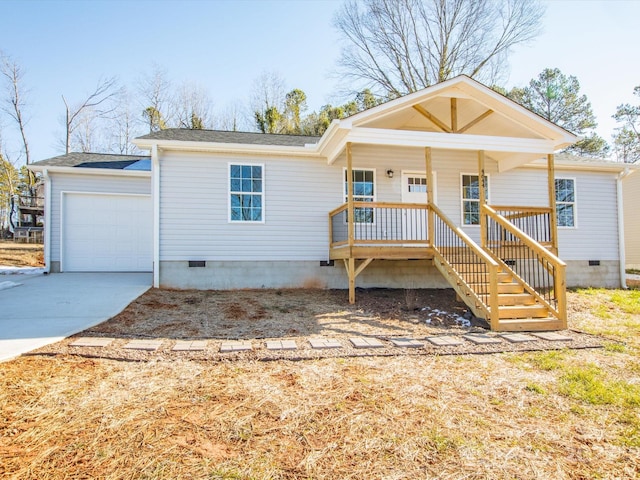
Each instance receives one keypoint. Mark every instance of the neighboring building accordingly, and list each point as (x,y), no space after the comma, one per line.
(391,196)
(631,201)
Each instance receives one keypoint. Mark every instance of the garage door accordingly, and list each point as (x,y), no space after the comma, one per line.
(106,233)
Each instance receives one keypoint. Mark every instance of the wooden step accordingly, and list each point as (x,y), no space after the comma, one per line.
(502,288)
(516,299)
(530,325)
(503,277)
(523,311)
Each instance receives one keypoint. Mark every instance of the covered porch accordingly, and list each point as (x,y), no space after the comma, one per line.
(501,256)
(510,276)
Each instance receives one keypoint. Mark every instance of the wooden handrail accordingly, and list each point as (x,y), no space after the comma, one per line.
(559,277)
(465,238)
(338,210)
(524,238)
(491,309)
(405,206)
(522,208)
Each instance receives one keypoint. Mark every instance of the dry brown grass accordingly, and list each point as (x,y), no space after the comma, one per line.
(473,417)
(21,254)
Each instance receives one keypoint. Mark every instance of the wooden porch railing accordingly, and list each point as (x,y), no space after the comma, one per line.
(457,255)
(534,221)
(542,272)
(379,223)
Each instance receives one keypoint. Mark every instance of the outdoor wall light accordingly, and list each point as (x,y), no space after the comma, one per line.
(390,173)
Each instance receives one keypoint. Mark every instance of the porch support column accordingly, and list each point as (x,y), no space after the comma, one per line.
(351,227)
(483,199)
(431,219)
(551,174)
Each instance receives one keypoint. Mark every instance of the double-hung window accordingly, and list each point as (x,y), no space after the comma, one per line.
(566,202)
(363,191)
(246,193)
(471,199)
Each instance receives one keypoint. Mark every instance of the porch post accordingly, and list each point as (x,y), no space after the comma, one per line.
(431,219)
(483,199)
(551,175)
(350,226)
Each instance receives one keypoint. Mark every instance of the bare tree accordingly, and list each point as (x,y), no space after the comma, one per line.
(154,93)
(94,106)
(14,105)
(267,101)
(230,118)
(15,100)
(123,126)
(192,107)
(399,46)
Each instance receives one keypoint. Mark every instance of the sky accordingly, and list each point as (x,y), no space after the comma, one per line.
(66,47)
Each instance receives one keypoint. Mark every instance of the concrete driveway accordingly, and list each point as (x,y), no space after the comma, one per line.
(44,309)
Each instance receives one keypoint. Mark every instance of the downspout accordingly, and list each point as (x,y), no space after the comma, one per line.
(155,197)
(621,248)
(47,221)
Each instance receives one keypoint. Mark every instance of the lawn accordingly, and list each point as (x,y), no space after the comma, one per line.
(571,414)
(14,254)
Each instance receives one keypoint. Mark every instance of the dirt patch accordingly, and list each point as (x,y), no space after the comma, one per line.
(21,254)
(257,314)
(261,315)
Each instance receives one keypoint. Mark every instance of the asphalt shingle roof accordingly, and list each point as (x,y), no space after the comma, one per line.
(218,136)
(92,160)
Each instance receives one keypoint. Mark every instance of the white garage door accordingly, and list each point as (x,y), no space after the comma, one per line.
(107,233)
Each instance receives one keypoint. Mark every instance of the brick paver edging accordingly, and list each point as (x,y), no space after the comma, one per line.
(301,348)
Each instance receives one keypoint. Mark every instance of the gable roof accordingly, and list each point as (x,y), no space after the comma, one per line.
(458,114)
(94,161)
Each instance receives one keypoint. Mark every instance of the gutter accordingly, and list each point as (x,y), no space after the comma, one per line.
(90,171)
(47,221)
(155,195)
(621,247)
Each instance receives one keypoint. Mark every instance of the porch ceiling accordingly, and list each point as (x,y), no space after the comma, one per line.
(508,152)
(471,116)
(459,114)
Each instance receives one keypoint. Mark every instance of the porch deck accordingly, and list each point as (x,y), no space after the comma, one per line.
(512,279)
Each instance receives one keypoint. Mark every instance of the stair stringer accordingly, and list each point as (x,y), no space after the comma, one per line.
(461,287)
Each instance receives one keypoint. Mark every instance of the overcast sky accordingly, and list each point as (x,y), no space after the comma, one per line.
(65,47)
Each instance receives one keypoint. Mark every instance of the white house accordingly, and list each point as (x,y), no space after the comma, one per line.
(452,186)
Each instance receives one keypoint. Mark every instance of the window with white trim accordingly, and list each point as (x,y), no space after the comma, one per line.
(363,191)
(471,198)
(246,190)
(566,202)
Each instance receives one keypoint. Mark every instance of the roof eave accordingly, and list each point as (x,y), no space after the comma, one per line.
(613,167)
(89,171)
(309,150)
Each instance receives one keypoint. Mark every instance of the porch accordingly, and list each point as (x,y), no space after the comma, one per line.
(510,276)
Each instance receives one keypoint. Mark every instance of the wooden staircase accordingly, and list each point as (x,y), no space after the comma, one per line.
(506,297)
(518,309)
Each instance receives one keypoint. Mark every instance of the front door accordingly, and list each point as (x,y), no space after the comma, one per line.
(414,220)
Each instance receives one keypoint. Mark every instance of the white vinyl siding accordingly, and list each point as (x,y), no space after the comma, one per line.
(301,191)
(194,223)
(88,184)
(596,235)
